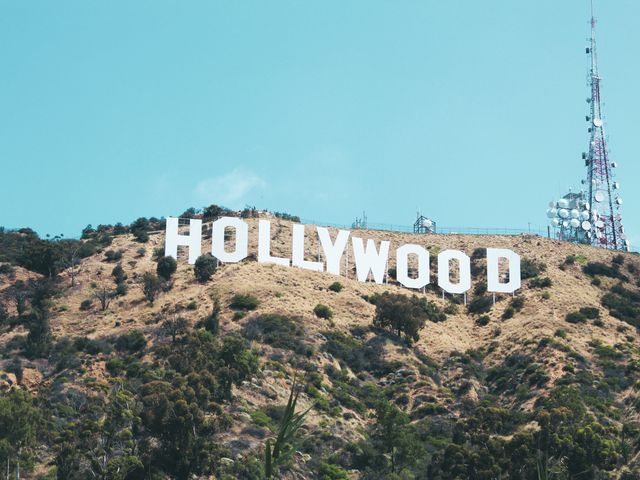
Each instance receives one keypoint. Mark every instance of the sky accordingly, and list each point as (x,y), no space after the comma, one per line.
(469,112)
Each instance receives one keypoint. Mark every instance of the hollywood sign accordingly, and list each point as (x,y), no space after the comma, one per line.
(370,260)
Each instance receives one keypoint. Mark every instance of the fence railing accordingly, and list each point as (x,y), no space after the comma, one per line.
(387,227)
(543,232)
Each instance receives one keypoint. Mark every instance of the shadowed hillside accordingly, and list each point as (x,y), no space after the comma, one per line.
(118,363)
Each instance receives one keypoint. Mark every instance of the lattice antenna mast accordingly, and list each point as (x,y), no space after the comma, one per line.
(606,223)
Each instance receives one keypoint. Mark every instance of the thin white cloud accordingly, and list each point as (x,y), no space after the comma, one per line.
(231,189)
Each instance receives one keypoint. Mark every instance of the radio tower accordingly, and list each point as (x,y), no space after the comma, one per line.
(601,191)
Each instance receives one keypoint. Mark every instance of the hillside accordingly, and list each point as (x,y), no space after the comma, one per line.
(542,384)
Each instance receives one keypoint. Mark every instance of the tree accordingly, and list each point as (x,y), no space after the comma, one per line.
(393,437)
(213,212)
(404,315)
(111,456)
(166,267)
(104,296)
(205,267)
(212,322)
(118,274)
(20,292)
(70,258)
(39,337)
(19,420)
(174,326)
(237,363)
(151,286)
(42,256)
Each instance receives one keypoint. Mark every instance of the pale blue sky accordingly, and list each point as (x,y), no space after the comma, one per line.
(471,111)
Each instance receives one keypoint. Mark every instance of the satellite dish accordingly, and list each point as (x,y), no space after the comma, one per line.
(565,224)
(575,213)
(552,204)
(599,224)
(623,236)
(563,203)
(589,235)
(555,222)
(599,196)
(563,213)
(614,164)
(616,185)
(599,234)
(586,225)
(619,201)
(587,206)
(597,122)
(427,223)
(584,215)
(552,212)
(575,223)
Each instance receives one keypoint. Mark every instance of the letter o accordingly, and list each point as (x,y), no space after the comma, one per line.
(402,266)
(242,239)
(444,282)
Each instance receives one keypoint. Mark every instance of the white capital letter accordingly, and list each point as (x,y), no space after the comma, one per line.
(297,256)
(369,259)
(333,251)
(402,266)
(444,281)
(264,245)
(493,270)
(173,239)
(242,239)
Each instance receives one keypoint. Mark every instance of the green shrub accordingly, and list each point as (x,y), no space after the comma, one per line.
(508,313)
(86,305)
(618,260)
(140,236)
(623,304)
(244,302)
(322,311)
(112,255)
(480,288)
(131,342)
(166,267)
(329,471)
(7,269)
(336,287)
(575,317)
(590,312)
(483,320)
(279,331)
(192,305)
(205,267)
(517,303)
(598,268)
(118,274)
(531,268)
(151,286)
(121,289)
(480,304)
(540,282)
(560,333)
(451,309)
